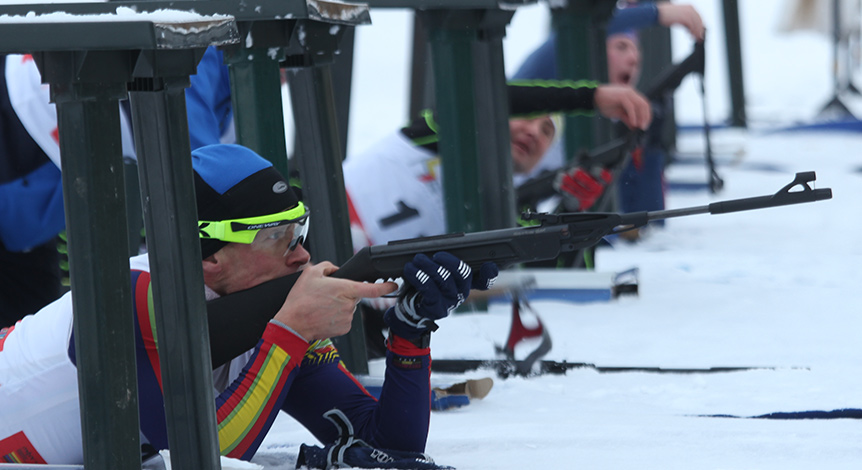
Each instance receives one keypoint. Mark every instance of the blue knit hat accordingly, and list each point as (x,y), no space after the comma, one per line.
(232,182)
(628,33)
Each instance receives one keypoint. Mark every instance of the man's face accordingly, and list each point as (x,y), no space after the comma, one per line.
(530,140)
(624,60)
(246,265)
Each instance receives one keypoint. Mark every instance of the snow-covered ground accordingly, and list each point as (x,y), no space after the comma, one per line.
(776,288)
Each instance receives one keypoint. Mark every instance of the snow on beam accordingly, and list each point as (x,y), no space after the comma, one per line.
(122,29)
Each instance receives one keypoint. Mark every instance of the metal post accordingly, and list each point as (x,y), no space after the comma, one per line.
(469,89)
(452,35)
(255,85)
(581,54)
(730,9)
(170,217)
(835,107)
(494,141)
(319,162)
(602,127)
(87,82)
(319,159)
(94,197)
(134,211)
(110,439)
(421,88)
(657,54)
(342,76)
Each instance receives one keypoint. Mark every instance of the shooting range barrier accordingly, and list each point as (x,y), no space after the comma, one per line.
(93,55)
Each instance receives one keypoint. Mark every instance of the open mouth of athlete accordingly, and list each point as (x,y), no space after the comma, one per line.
(522,147)
(626,78)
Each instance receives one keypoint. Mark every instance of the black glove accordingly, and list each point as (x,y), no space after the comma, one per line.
(437,286)
(351,452)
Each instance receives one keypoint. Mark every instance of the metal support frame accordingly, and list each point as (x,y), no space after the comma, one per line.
(167,184)
(470,82)
(730,9)
(87,82)
(94,198)
(307,47)
(342,78)
(319,160)
(581,53)
(835,108)
(134,207)
(255,85)
(452,55)
(655,44)
(421,83)
(492,102)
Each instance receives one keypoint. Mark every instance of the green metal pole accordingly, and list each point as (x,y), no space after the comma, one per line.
(494,141)
(170,217)
(421,87)
(657,55)
(730,8)
(452,35)
(319,160)
(574,62)
(94,197)
(255,79)
(134,212)
(581,54)
(342,77)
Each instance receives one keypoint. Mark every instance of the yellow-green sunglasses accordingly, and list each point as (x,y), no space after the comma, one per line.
(262,231)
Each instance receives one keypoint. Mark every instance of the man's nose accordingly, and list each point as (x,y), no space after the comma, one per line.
(298,256)
(535,128)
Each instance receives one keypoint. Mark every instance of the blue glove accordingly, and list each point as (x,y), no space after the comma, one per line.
(436,287)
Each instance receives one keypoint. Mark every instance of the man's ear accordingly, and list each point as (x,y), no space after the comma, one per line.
(212,268)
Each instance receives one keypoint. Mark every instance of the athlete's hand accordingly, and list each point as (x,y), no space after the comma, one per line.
(438,286)
(580,189)
(670,14)
(319,306)
(625,104)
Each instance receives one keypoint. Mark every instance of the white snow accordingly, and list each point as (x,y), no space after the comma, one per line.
(772,288)
(121,14)
(776,288)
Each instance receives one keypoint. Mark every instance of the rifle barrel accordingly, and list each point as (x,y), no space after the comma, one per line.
(670,213)
(783,197)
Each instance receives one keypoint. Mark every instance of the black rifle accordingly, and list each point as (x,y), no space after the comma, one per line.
(696,63)
(672,77)
(610,155)
(615,153)
(554,235)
